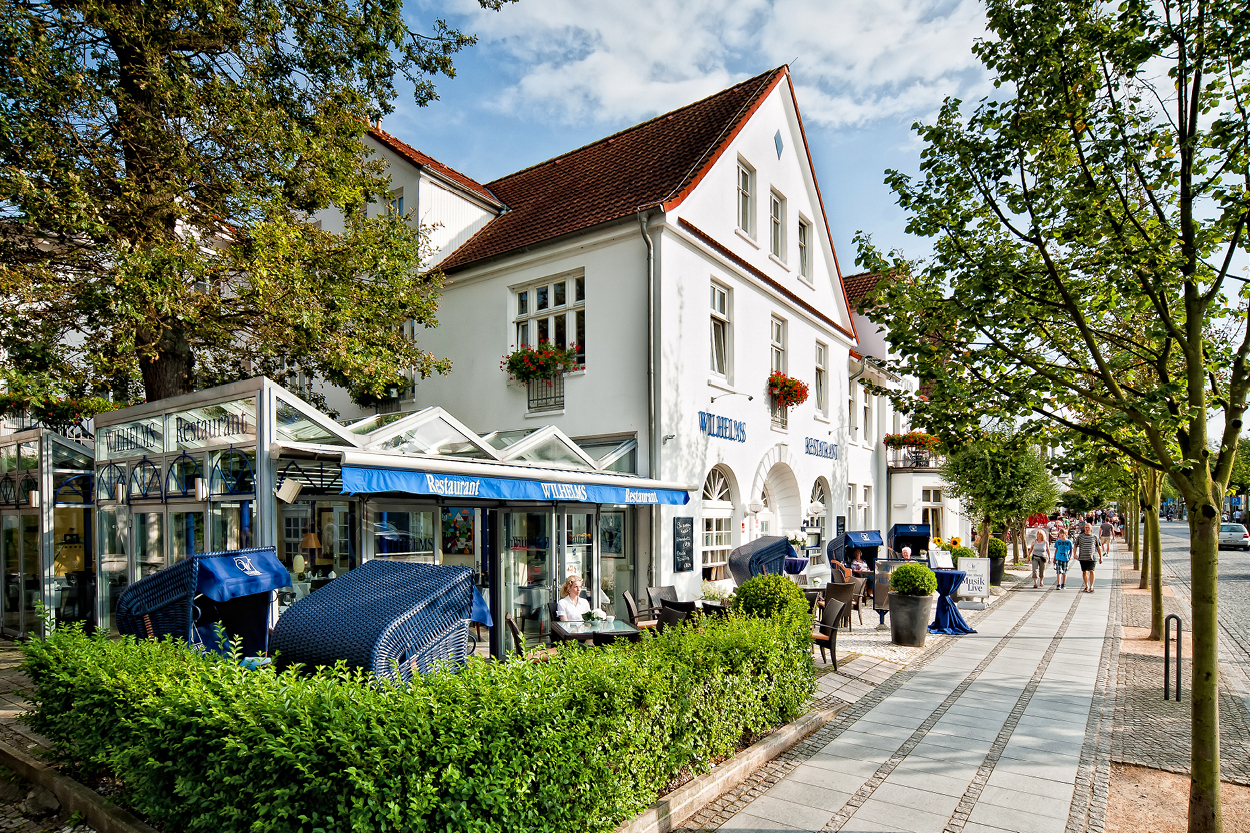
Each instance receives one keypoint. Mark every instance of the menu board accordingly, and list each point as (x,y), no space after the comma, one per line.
(683,545)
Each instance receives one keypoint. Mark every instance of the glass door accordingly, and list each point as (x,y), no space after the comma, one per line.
(577,556)
(73,566)
(186,532)
(32,590)
(149,543)
(614,561)
(11,544)
(528,568)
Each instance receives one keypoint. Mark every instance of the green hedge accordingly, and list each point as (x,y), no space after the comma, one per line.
(578,743)
(997,548)
(913,580)
(767,596)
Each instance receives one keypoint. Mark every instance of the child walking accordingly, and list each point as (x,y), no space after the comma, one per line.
(1063,554)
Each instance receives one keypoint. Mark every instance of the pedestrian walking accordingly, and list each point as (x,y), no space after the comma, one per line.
(1041,555)
(1105,533)
(1063,553)
(1087,547)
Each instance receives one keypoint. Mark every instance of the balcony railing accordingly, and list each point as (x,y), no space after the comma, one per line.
(546,394)
(780,413)
(913,458)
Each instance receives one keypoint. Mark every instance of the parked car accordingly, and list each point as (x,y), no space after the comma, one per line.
(1234,536)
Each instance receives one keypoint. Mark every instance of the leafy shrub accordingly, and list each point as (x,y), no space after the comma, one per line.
(770,596)
(962,552)
(913,580)
(581,742)
(998,548)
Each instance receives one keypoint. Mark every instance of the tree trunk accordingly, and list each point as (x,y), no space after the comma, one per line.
(1154,483)
(1204,763)
(166,361)
(983,543)
(1016,537)
(1135,513)
(1148,511)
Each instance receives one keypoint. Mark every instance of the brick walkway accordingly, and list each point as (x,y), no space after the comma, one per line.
(1150,731)
(999,731)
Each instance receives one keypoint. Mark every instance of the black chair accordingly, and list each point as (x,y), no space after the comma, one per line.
(646,618)
(835,591)
(685,608)
(825,634)
(657,594)
(670,616)
(518,642)
(858,599)
(714,610)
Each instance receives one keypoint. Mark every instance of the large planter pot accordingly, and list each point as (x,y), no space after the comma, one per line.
(909,619)
(997,565)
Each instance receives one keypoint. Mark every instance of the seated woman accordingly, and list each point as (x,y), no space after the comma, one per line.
(859,565)
(571,605)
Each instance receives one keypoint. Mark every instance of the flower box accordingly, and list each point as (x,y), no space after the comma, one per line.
(786,390)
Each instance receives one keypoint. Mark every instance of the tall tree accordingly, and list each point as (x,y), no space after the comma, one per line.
(1087,217)
(159,162)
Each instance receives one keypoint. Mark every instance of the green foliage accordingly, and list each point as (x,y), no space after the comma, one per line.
(527,363)
(998,548)
(1077,502)
(913,580)
(962,552)
(770,596)
(159,164)
(1000,478)
(580,742)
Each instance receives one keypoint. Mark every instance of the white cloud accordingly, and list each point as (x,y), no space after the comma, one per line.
(611,61)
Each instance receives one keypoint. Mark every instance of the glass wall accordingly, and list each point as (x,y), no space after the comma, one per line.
(149,542)
(527,572)
(113,545)
(11,555)
(72,581)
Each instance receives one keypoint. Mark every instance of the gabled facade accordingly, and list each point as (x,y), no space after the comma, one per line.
(688,257)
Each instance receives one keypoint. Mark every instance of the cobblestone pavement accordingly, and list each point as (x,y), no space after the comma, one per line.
(1148,730)
(963,740)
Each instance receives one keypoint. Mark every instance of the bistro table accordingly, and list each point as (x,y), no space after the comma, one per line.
(948,618)
(601,629)
(794,565)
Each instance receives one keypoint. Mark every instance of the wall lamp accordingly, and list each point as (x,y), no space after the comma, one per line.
(733,393)
(668,437)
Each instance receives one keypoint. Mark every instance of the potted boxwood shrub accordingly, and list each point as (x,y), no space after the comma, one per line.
(998,560)
(911,605)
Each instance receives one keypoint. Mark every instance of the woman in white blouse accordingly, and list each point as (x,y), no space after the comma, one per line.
(571,605)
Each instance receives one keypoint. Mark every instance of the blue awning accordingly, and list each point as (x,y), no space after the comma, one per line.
(367,480)
(240,573)
(867,538)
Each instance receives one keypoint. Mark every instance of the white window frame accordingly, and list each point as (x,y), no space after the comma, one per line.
(822,379)
(777,344)
(529,322)
(777,225)
(850,507)
(745,203)
(867,507)
(395,205)
(867,432)
(852,426)
(722,319)
(805,249)
(716,538)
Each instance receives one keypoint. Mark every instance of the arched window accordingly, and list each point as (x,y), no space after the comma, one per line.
(819,496)
(717,509)
(109,483)
(183,472)
(145,481)
(232,474)
(74,491)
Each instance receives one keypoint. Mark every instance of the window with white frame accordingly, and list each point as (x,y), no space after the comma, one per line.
(552,310)
(805,257)
(777,225)
(777,330)
(852,428)
(821,381)
(819,496)
(395,205)
(867,427)
(931,516)
(746,198)
(867,508)
(717,509)
(851,514)
(721,341)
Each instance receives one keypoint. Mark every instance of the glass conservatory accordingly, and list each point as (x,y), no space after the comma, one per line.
(251,464)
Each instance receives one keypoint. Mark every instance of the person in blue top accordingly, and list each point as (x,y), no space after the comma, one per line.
(1063,554)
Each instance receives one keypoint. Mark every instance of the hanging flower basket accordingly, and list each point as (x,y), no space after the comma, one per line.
(786,389)
(528,364)
(912,439)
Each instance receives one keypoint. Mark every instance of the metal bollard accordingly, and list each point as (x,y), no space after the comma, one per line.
(1167,654)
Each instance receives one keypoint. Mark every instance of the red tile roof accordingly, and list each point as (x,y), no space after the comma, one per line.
(858,286)
(652,163)
(421,160)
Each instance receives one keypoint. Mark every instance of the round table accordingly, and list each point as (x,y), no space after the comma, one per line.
(947,618)
(795,565)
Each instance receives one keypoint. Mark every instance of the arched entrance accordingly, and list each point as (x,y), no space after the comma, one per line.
(778,503)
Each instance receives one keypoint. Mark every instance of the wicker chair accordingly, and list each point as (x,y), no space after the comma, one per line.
(390,618)
(232,588)
(825,634)
(835,591)
(518,643)
(670,616)
(859,599)
(655,595)
(639,619)
(684,608)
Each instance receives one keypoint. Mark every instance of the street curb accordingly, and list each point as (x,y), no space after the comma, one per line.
(671,811)
(74,797)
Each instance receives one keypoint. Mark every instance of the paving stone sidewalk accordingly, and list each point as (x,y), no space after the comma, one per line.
(1004,730)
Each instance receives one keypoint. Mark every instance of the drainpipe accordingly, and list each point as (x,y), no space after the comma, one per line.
(653,451)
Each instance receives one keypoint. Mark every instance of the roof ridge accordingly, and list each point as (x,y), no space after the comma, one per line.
(762,77)
(404,149)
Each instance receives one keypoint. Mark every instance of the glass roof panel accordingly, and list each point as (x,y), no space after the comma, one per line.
(293,425)
(372,423)
(65,456)
(503,439)
(554,451)
(434,436)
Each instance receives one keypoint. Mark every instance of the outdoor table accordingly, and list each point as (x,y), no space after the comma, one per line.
(795,564)
(948,618)
(587,631)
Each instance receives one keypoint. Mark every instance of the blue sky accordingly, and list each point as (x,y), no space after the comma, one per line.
(550,75)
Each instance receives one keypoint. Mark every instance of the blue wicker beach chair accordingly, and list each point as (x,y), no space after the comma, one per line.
(389,618)
(763,555)
(188,600)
